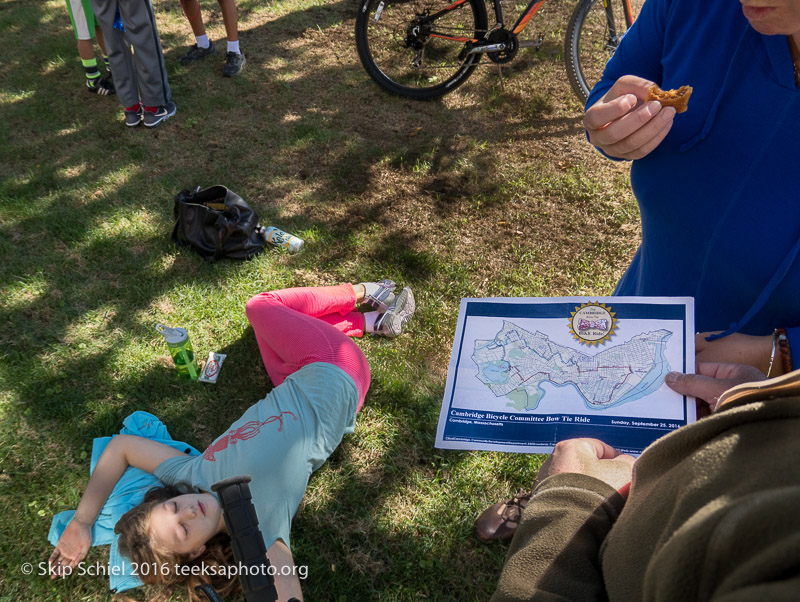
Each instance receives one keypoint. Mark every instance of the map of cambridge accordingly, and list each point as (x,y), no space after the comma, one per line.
(516,362)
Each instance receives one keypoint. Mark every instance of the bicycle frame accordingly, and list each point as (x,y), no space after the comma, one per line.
(522,21)
(526,16)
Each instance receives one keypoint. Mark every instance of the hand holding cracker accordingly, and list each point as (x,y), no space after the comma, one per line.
(626,124)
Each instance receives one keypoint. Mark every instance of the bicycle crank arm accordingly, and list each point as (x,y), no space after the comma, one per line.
(486,48)
(537,43)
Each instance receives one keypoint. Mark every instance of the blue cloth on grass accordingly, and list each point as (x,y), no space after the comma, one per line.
(127,493)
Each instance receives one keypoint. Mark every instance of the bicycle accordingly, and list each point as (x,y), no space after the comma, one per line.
(423,49)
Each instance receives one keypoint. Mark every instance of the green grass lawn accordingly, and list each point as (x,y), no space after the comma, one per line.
(492,191)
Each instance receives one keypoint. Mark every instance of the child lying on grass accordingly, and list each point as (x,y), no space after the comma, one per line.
(321,378)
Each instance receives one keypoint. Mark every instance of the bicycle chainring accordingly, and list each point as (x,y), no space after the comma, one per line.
(503,36)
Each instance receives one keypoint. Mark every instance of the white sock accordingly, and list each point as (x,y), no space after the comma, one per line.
(369,320)
(233,46)
(202,41)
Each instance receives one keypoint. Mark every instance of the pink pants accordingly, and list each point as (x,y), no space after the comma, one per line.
(298,326)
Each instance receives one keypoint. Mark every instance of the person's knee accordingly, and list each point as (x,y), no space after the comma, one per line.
(260,302)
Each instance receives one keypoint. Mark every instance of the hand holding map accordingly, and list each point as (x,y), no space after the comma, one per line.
(712,381)
(591,457)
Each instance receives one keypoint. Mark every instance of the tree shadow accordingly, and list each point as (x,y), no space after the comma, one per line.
(85,216)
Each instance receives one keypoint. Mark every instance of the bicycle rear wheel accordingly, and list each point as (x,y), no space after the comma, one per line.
(409,50)
(593,34)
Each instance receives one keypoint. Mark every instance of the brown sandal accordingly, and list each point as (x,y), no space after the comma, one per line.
(500,521)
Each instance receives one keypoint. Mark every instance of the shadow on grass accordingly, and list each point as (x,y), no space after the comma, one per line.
(85,215)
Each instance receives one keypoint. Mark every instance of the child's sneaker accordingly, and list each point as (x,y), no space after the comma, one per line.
(390,324)
(234,61)
(134,117)
(379,295)
(196,53)
(162,113)
(101,86)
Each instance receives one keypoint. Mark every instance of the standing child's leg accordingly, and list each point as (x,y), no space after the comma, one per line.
(290,335)
(141,32)
(234,57)
(98,35)
(202,47)
(84,24)
(119,55)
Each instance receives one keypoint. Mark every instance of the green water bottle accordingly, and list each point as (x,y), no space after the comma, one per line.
(181,350)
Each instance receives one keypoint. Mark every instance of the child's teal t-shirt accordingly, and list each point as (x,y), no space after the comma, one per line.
(279,441)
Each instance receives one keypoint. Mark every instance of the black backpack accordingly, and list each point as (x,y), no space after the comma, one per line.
(216,222)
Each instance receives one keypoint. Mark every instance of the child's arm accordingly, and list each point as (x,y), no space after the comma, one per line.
(287,583)
(122,451)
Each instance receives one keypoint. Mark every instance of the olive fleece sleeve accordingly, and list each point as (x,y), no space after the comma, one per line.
(555,553)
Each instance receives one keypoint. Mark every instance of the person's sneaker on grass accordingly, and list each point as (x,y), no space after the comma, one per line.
(378,296)
(234,61)
(196,53)
(390,324)
(134,115)
(100,86)
(154,116)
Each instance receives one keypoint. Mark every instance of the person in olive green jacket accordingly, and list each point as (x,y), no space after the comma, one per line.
(712,513)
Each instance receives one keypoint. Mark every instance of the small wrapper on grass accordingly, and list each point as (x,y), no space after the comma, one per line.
(212,367)
(679,99)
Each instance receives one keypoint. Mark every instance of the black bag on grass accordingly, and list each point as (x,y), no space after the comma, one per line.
(216,222)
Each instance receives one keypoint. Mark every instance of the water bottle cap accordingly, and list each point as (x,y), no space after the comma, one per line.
(173,336)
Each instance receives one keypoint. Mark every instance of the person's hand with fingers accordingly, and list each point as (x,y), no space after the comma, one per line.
(735,348)
(71,549)
(623,124)
(712,380)
(591,457)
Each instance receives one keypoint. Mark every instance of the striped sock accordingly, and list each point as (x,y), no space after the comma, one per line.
(107,64)
(90,68)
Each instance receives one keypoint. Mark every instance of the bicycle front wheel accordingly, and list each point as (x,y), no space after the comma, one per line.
(419,48)
(594,31)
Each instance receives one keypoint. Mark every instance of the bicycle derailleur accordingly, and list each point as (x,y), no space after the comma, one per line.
(417,32)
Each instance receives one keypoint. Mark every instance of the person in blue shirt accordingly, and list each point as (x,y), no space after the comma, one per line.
(321,378)
(716,185)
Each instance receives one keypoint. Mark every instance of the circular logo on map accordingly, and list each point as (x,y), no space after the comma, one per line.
(592,323)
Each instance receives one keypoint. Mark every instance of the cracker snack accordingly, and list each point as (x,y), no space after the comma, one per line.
(671,98)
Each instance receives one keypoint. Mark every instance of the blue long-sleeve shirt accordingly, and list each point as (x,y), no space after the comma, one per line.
(720,196)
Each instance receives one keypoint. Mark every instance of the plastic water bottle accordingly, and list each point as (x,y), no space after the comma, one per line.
(118,21)
(279,238)
(180,348)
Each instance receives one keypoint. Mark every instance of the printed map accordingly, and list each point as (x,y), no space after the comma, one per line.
(516,362)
